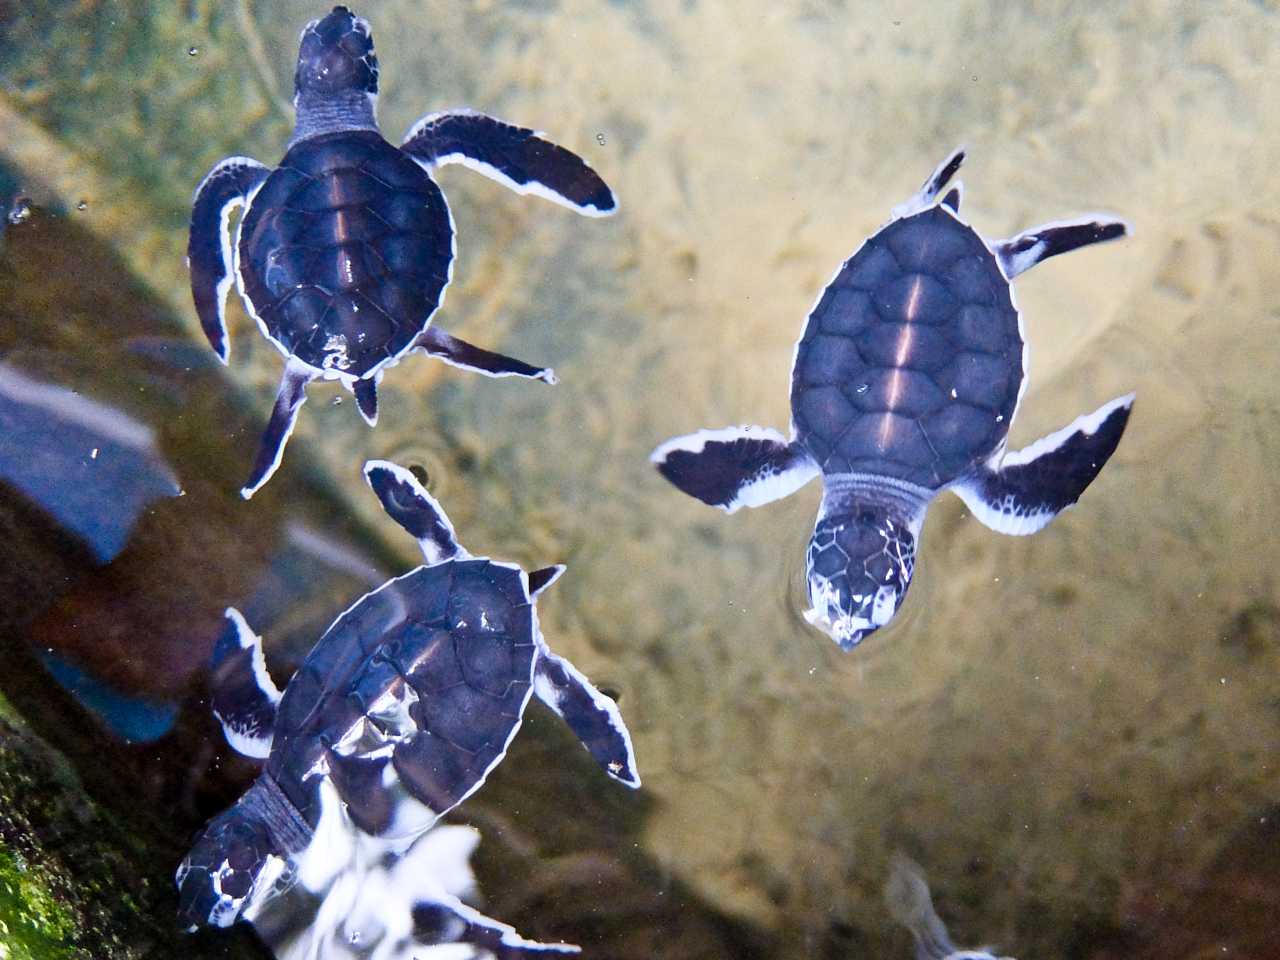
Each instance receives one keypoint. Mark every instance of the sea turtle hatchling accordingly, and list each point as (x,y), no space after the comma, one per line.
(398,714)
(344,251)
(905,382)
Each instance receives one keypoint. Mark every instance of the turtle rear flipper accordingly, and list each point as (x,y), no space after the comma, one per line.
(937,182)
(365,392)
(1031,486)
(284,416)
(544,577)
(244,696)
(409,505)
(446,919)
(458,353)
(515,157)
(209,250)
(735,467)
(1019,254)
(592,716)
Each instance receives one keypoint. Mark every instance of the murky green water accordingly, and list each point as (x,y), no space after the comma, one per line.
(1074,733)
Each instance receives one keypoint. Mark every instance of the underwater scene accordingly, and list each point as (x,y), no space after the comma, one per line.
(462,466)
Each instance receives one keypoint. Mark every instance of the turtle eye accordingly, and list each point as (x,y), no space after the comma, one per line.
(867,518)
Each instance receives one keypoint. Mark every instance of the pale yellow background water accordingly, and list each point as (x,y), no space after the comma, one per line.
(1056,726)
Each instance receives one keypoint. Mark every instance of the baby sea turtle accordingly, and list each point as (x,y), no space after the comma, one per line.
(396,716)
(905,383)
(345,250)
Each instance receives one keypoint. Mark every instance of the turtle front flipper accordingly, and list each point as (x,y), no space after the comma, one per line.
(446,919)
(1019,254)
(593,717)
(458,353)
(1029,487)
(244,696)
(209,249)
(408,504)
(735,467)
(514,156)
(289,400)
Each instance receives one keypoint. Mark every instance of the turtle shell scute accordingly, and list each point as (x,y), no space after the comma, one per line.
(345,252)
(910,364)
(443,655)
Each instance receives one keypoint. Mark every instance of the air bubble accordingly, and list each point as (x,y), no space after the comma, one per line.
(600,139)
(336,401)
(82,205)
(864,387)
(193,51)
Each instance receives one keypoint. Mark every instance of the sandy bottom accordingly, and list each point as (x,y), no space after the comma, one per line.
(1064,729)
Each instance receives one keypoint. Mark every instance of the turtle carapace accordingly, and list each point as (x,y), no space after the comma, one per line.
(344,251)
(398,714)
(905,382)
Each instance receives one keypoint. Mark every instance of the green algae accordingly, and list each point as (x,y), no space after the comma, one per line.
(34,923)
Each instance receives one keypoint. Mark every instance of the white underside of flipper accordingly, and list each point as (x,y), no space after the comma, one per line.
(560,700)
(999,495)
(531,189)
(1003,515)
(735,467)
(251,737)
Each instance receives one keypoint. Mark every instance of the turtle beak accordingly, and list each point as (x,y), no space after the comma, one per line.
(846,628)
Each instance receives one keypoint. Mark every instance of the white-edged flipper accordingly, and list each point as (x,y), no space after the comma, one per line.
(953,198)
(514,156)
(366,395)
(446,919)
(209,251)
(924,198)
(539,580)
(408,504)
(593,717)
(735,467)
(1027,488)
(244,696)
(284,416)
(458,353)
(1019,254)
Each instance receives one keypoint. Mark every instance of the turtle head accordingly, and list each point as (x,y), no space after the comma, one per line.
(336,58)
(231,868)
(859,566)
